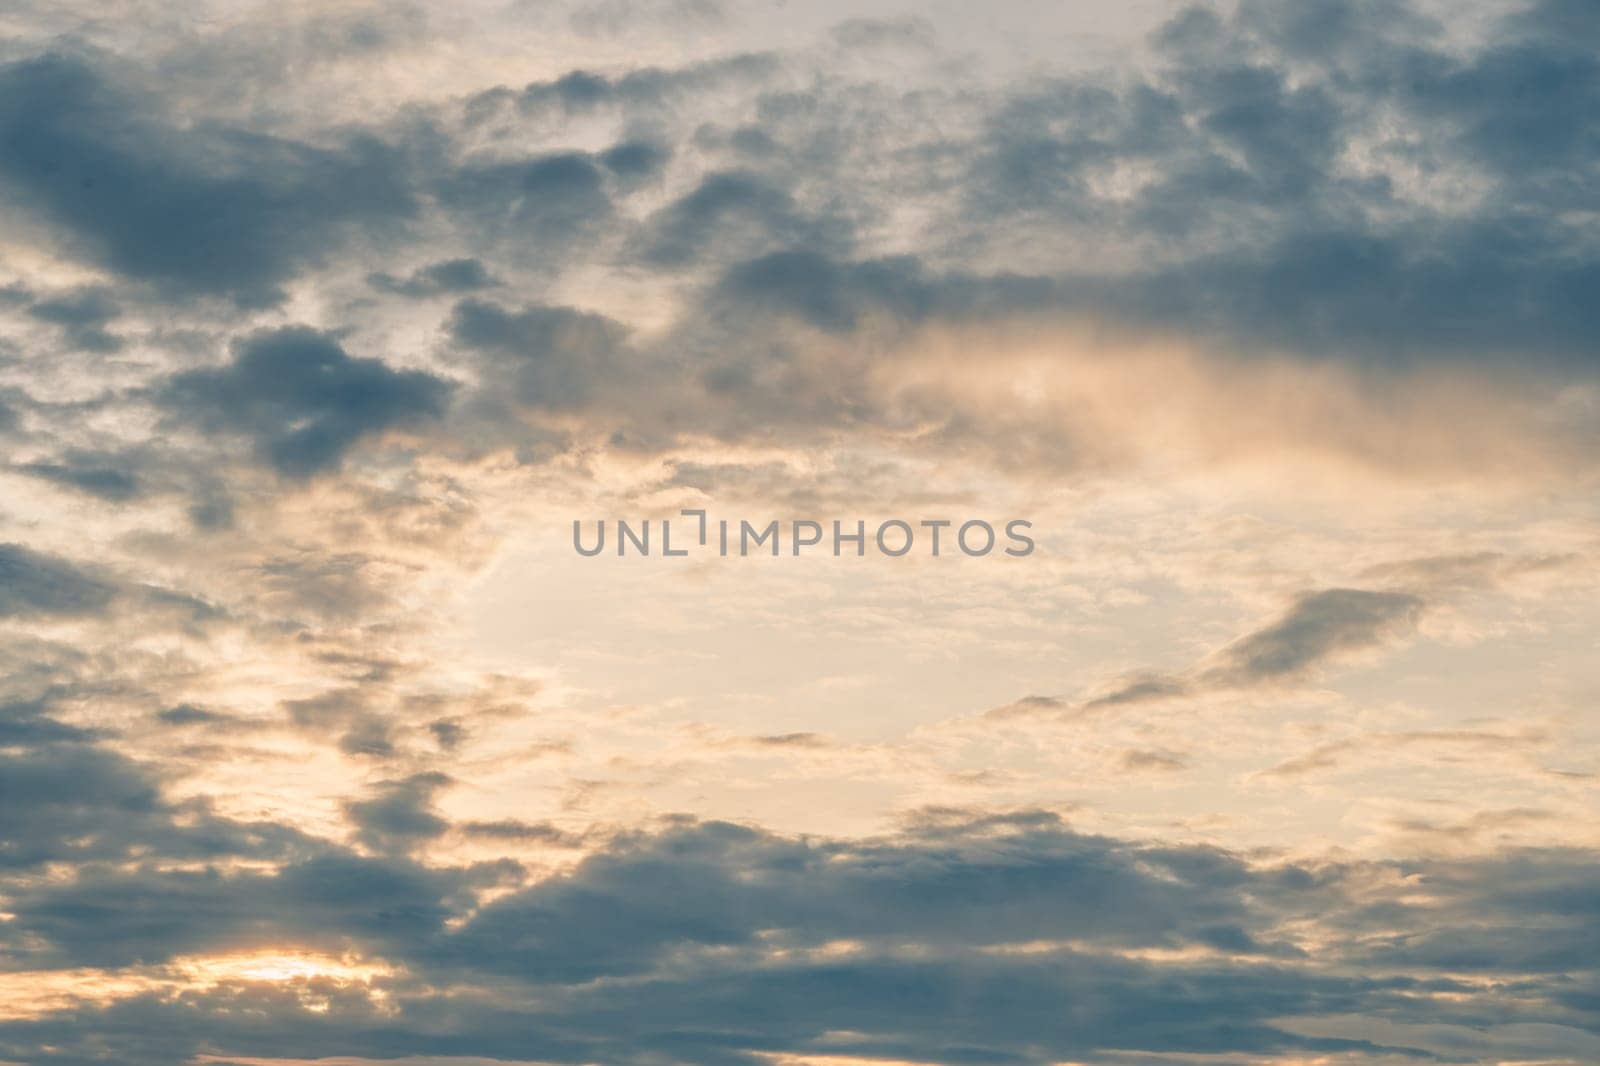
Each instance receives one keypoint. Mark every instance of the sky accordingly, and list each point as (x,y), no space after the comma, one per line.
(323,323)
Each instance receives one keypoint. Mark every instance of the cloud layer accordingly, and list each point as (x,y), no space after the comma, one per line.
(1275,318)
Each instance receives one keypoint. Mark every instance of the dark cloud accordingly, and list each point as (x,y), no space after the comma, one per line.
(448,733)
(28,722)
(834,294)
(734,215)
(636,159)
(575,90)
(1317,627)
(197,209)
(1221,191)
(738,943)
(71,801)
(445,276)
(399,814)
(553,201)
(512,829)
(1140,688)
(186,714)
(66,798)
(338,587)
(547,357)
(322,898)
(791,740)
(98,475)
(722,885)
(301,401)
(642,88)
(33,584)
(1273,238)
(348,715)
(83,316)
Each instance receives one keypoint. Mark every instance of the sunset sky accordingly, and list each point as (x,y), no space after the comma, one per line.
(321,323)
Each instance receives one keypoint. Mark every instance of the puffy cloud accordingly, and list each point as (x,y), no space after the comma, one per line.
(998,938)
(399,813)
(198,210)
(83,316)
(300,400)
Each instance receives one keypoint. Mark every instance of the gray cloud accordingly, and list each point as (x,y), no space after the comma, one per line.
(546,357)
(69,799)
(734,215)
(445,276)
(399,813)
(33,584)
(554,200)
(199,210)
(106,477)
(1328,756)
(186,714)
(1328,180)
(646,87)
(636,160)
(301,400)
(83,316)
(1317,627)
(1287,246)
(718,925)
(1228,171)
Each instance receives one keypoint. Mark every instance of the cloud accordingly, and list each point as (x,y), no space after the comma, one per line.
(636,160)
(33,584)
(734,215)
(555,200)
(104,477)
(1243,152)
(199,210)
(1335,252)
(188,715)
(1004,938)
(641,87)
(399,813)
(827,293)
(83,316)
(1317,627)
(1327,625)
(445,276)
(71,800)
(1143,761)
(301,401)
(1333,754)
(555,358)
